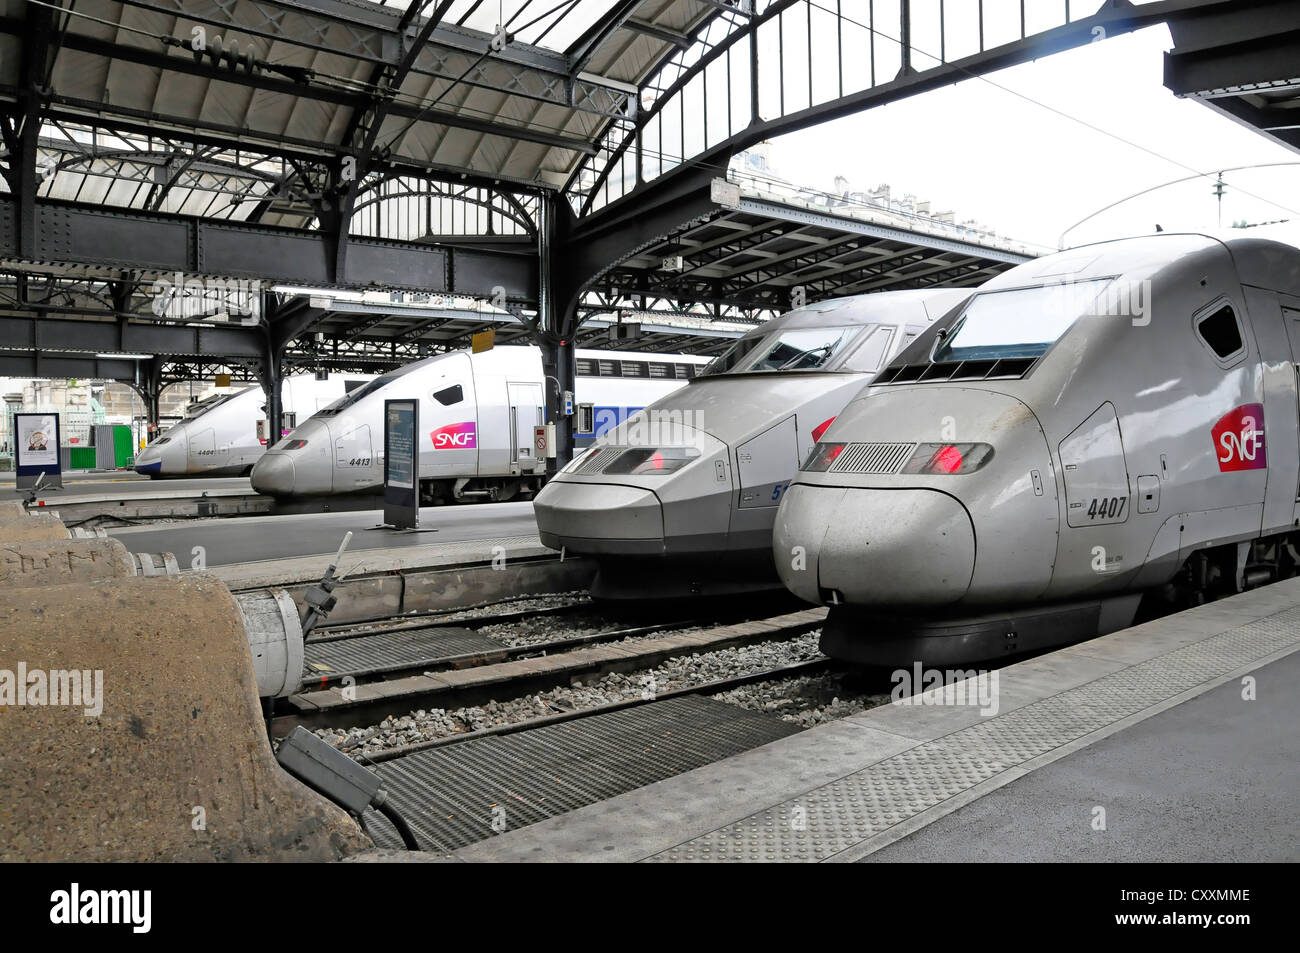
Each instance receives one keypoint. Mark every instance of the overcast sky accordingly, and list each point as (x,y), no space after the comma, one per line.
(1030,174)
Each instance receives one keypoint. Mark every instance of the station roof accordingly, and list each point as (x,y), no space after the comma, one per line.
(213,136)
(1244,63)
(275,80)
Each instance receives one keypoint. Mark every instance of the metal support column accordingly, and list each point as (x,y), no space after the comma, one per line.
(271,372)
(557,303)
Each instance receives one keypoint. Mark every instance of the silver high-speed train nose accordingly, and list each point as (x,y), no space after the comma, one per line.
(880,547)
(148,461)
(274,475)
(165,456)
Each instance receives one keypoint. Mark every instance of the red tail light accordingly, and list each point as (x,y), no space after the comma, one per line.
(821,429)
(822,456)
(943,459)
(948,459)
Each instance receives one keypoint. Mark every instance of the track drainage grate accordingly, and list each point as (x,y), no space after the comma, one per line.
(392,650)
(462,793)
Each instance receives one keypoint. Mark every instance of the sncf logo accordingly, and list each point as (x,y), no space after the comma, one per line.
(1239,439)
(462,436)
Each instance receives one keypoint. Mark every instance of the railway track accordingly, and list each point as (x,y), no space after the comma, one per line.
(454,791)
(362,677)
(713,687)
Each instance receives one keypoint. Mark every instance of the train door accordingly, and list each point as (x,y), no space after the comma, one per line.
(1291,319)
(1275,321)
(203,449)
(526,412)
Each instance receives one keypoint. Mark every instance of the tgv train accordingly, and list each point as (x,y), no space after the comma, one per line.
(477,412)
(680,499)
(1101,425)
(218,435)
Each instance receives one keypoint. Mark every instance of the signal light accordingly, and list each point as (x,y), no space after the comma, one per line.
(948,459)
(945,459)
(642,461)
(822,456)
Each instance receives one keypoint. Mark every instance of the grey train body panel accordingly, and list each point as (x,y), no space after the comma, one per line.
(708,525)
(219,435)
(1161,423)
(477,414)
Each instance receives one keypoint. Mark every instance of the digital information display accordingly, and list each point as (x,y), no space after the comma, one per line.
(36,450)
(401,463)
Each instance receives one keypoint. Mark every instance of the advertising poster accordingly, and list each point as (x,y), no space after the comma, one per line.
(38,440)
(401,464)
(36,450)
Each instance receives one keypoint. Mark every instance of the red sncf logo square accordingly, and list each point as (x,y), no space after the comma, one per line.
(1239,439)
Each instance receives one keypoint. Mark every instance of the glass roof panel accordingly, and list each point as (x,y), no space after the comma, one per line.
(551,24)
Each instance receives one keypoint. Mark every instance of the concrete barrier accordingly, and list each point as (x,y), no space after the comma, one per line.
(10,508)
(20,529)
(56,562)
(163,756)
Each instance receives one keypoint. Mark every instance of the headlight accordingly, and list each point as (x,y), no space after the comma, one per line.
(294,445)
(822,456)
(641,461)
(948,458)
(159,443)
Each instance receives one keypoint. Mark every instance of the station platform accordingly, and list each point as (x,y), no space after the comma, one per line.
(105,484)
(261,539)
(125,497)
(1149,744)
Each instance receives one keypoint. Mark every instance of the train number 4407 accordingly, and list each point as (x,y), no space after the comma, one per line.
(1107,508)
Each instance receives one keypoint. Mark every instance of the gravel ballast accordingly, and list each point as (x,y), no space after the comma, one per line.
(678,672)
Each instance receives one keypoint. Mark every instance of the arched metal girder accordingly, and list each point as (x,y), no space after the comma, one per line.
(798,63)
(508,205)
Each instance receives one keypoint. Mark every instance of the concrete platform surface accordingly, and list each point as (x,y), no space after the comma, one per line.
(845,790)
(1214,779)
(262,538)
(114,485)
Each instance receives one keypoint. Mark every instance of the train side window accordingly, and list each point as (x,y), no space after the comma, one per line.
(871,352)
(449,395)
(1220,331)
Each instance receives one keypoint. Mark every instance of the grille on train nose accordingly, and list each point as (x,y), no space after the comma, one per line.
(872,458)
(599,460)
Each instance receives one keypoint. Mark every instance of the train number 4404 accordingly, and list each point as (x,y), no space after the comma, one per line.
(1107,508)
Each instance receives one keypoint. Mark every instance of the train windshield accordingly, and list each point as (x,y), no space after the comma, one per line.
(731,357)
(1023,322)
(795,349)
(347,400)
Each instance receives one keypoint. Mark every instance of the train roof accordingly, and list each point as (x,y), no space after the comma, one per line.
(1261,262)
(880,307)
